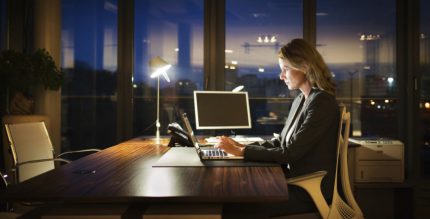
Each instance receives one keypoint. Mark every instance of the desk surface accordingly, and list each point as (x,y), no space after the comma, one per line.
(124,173)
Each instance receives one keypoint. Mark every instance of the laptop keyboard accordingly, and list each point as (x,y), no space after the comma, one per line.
(215,153)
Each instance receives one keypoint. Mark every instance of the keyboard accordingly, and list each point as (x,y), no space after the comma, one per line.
(215,153)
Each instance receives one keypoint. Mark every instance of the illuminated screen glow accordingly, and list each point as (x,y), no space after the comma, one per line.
(222,110)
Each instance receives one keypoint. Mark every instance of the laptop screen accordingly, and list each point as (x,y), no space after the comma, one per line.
(222,110)
(190,131)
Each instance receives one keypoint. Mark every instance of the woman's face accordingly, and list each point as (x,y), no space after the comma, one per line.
(293,78)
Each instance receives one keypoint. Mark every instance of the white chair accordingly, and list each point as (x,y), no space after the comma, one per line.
(32,150)
(33,154)
(13,119)
(339,208)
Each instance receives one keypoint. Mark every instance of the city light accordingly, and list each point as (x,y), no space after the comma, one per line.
(260,69)
(386,101)
(427,105)
(321,14)
(232,66)
(267,39)
(372,102)
(390,80)
(273,39)
(259,39)
(176,49)
(367,37)
(228,51)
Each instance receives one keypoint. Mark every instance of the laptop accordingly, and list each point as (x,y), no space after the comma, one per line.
(206,153)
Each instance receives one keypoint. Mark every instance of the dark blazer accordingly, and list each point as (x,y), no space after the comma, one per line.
(312,145)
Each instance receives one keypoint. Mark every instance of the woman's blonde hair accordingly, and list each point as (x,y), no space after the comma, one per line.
(306,58)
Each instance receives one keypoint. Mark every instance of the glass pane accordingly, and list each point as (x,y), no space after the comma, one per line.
(3,24)
(172,30)
(360,51)
(3,46)
(425,90)
(254,34)
(89,59)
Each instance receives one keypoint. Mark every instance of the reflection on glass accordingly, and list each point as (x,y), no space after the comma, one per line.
(360,51)
(254,34)
(424,106)
(174,32)
(89,60)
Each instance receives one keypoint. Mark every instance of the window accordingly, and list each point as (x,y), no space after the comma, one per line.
(89,59)
(254,34)
(360,51)
(3,24)
(172,30)
(3,45)
(425,90)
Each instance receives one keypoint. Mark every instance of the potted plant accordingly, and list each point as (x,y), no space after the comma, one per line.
(21,74)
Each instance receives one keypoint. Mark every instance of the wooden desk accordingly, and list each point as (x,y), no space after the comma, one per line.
(124,174)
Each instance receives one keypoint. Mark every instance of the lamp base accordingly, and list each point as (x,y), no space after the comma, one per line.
(157,136)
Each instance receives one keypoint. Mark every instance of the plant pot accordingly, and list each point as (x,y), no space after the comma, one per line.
(20,104)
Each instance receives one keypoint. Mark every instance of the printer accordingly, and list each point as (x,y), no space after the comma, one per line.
(377,160)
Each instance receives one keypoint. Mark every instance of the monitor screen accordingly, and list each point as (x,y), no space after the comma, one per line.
(222,110)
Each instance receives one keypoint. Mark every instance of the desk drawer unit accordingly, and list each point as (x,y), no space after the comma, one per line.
(379,161)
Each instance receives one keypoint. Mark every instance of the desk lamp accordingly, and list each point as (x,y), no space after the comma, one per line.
(158,67)
(238,88)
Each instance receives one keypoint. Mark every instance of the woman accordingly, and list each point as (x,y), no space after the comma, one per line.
(308,140)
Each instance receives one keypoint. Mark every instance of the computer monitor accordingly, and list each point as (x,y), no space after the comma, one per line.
(221,110)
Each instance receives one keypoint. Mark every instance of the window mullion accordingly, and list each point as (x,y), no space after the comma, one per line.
(214,44)
(309,21)
(125,69)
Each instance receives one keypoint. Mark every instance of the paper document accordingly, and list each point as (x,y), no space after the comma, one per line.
(238,139)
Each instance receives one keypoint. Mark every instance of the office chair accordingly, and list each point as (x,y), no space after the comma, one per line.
(5,208)
(339,209)
(32,150)
(33,154)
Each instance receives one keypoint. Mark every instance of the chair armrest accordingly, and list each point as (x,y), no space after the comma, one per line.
(62,160)
(78,151)
(43,160)
(309,176)
(312,184)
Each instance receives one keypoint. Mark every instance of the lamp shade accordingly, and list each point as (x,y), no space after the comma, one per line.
(159,67)
(238,88)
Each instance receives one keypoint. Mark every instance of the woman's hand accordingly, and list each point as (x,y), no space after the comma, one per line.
(230,146)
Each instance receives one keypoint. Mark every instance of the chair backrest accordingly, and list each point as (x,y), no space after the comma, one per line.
(31,148)
(339,207)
